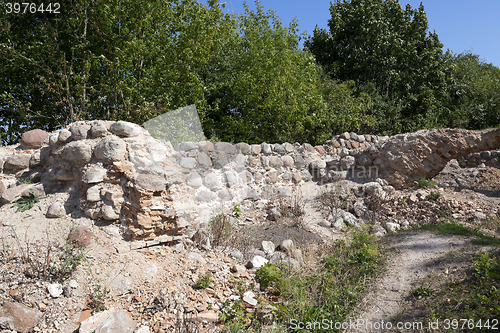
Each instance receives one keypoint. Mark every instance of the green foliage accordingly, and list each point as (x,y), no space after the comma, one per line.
(220,230)
(472,93)
(25,203)
(98,297)
(264,88)
(474,296)
(422,292)
(69,260)
(378,44)
(205,281)
(434,195)
(458,229)
(25,181)
(332,292)
(237,210)
(267,275)
(487,267)
(426,183)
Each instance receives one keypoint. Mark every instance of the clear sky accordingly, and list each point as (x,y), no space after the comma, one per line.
(461,25)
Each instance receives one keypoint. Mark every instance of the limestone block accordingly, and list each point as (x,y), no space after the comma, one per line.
(187,146)
(111,149)
(244,148)
(33,138)
(226,148)
(125,129)
(17,162)
(266,148)
(275,162)
(204,160)
(79,131)
(64,136)
(194,180)
(287,161)
(211,181)
(187,162)
(77,152)
(279,149)
(98,129)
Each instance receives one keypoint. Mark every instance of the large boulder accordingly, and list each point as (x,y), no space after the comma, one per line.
(77,152)
(33,138)
(111,149)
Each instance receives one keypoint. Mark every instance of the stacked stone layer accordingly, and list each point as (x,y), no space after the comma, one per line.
(124,175)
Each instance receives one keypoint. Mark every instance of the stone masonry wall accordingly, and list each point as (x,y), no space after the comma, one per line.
(121,174)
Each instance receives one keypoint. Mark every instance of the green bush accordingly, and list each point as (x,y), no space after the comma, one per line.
(267,275)
(426,183)
(205,281)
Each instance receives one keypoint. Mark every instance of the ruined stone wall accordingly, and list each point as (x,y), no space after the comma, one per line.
(119,173)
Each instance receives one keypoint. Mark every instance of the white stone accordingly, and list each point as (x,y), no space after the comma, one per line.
(256,262)
(55,290)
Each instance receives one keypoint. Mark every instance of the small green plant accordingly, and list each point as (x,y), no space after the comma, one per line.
(267,274)
(98,297)
(25,203)
(205,281)
(220,230)
(434,195)
(25,181)
(426,183)
(487,267)
(69,260)
(237,210)
(422,292)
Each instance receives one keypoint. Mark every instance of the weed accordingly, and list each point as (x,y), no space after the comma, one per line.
(267,275)
(25,203)
(237,210)
(335,200)
(426,183)
(70,259)
(25,181)
(458,229)
(422,292)
(486,267)
(98,297)
(434,195)
(442,213)
(205,282)
(220,230)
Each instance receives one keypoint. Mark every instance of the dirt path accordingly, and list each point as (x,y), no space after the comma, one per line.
(412,256)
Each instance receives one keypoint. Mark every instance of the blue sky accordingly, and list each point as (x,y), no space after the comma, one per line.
(461,25)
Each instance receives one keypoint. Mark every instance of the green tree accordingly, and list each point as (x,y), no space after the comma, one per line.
(265,88)
(129,60)
(474,92)
(376,42)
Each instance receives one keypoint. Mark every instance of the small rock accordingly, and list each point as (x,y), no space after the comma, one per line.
(256,262)
(237,255)
(287,245)
(56,209)
(393,227)
(196,257)
(19,317)
(80,235)
(55,290)
(33,138)
(239,269)
(479,216)
(125,129)
(268,247)
(118,322)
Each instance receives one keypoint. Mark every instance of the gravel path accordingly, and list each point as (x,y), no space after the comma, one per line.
(413,255)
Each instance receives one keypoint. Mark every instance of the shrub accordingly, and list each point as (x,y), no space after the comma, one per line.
(434,195)
(426,183)
(205,281)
